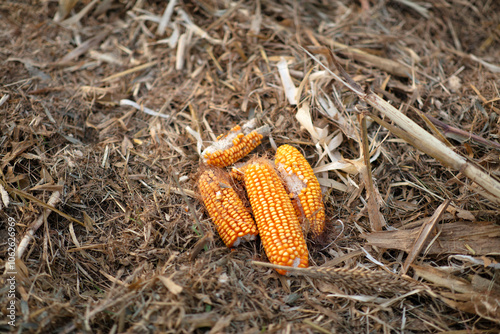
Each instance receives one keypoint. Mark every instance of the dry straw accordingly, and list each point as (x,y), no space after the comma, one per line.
(415,135)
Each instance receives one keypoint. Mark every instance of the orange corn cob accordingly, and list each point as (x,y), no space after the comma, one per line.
(279,227)
(303,185)
(231,218)
(236,144)
(232,147)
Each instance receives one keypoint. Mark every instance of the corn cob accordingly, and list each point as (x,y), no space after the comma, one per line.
(278,226)
(231,218)
(234,145)
(303,186)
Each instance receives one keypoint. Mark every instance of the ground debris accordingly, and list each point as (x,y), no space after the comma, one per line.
(478,238)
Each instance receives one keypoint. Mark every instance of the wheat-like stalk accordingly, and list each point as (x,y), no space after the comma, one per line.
(357,280)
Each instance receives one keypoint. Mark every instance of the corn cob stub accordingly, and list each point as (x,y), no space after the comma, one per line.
(278,226)
(231,147)
(303,186)
(231,218)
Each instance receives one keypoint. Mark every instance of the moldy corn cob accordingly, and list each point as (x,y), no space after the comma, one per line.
(278,226)
(304,187)
(234,145)
(231,218)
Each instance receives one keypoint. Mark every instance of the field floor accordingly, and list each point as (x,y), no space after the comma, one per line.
(106,106)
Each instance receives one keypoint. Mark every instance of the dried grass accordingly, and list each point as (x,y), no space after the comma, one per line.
(104,104)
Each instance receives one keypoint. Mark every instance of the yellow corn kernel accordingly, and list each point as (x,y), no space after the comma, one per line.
(237,172)
(304,187)
(278,226)
(231,218)
(231,147)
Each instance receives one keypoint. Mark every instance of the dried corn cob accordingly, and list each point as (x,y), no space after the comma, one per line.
(274,214)
(304,187)
(232,219)
(234,145)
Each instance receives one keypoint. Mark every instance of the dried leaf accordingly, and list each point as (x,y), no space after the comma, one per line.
(197,136)
(126,145)
(287,82)
(424,235)
(48,187)
(170,285)
(304,118)
(4,196)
